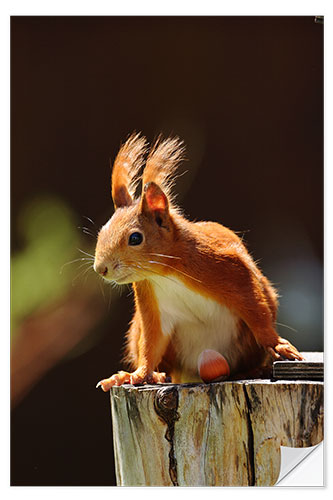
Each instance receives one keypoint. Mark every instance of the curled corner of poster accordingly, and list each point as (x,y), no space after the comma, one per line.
(302,466)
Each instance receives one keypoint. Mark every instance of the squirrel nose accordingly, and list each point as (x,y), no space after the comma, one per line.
(100,268)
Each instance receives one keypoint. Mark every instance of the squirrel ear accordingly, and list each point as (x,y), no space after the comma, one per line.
(121,196)
(155,203)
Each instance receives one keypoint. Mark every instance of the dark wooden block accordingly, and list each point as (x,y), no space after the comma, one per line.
(312,368)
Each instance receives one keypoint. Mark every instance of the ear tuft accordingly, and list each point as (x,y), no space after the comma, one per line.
(162,162)
(125,173)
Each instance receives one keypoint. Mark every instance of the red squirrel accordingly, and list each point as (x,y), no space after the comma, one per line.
(202,306)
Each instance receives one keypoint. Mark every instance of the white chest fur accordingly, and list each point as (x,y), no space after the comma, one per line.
(196,322)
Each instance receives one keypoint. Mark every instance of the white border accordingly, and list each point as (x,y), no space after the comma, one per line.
(172,7)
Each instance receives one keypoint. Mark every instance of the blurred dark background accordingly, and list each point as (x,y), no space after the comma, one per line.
(246,95)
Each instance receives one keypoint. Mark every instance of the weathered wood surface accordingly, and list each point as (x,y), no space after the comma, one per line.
(220,434)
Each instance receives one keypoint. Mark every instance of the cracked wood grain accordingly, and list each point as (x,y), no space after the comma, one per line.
(221,434)
(212,423)
(283,414)
(140,448)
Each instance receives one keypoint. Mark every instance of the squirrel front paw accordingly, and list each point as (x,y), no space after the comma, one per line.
(140,376)
(284,350)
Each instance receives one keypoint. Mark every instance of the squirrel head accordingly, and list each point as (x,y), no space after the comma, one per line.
(142,230)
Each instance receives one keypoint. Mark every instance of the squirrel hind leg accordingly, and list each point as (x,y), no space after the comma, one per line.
(212,366)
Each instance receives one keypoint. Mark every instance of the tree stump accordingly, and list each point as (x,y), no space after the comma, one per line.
(219,434)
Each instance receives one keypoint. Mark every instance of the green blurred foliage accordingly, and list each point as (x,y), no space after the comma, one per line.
(38,274)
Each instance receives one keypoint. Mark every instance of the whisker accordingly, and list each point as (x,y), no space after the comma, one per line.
(110,296)
(102,290)
(137,266)
(73,261)
(81,274)
(85,253)
(171,267)
(164,277)
(89,234)
(287,326)
(90,220)
(89,264)
(163,255)
(86,274)
(86,230)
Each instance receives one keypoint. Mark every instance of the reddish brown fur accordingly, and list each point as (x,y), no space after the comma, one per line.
(208,257)
(162,163)
(126,168)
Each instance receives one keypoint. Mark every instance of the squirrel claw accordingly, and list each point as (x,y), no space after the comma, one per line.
(152,378)
(134,378)
(116,379)
(105,385)
(284,350)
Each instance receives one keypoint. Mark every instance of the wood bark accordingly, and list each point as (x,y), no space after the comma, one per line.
(220,434)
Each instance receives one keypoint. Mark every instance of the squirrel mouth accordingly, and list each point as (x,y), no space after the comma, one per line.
(122,280)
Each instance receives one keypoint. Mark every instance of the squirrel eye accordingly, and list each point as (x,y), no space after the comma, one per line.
(135,239)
